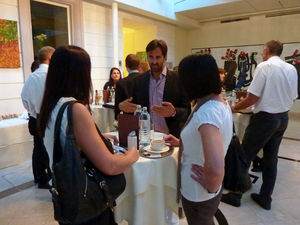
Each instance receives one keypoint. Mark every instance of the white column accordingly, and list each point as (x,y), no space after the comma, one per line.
(115,27)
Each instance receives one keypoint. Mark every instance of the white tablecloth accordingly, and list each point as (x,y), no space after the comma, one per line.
(103,117)
(150,189)
(15,142)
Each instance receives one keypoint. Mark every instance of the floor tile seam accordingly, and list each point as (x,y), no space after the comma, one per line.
(8,181)
(289,159)
(16,189)
(291,138)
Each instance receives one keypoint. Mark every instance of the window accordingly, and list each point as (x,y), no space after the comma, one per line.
(50,24)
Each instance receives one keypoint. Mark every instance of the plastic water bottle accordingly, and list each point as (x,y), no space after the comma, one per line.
(138,111)
(145,128)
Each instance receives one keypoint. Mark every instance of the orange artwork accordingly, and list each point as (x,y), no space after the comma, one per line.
(9,44)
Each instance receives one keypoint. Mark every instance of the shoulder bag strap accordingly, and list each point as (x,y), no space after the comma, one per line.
(57,150)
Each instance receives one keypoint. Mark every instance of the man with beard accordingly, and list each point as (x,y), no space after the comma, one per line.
(160,91)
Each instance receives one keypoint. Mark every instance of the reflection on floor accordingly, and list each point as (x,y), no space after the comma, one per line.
(33,206)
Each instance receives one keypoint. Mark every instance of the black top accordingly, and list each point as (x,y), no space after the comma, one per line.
(124,90)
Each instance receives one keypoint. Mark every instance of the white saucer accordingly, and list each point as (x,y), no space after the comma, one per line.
(164,149)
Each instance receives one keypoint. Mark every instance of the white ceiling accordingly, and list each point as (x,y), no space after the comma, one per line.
(240,8)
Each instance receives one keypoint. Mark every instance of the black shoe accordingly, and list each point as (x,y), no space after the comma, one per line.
(266,204)
(231,198)
(44,186)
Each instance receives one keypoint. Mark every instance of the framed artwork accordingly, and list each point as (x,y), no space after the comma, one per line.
(9,44)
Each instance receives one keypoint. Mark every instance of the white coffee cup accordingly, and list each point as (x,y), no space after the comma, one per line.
(157,145)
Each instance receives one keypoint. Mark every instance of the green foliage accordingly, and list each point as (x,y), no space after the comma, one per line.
(8,31)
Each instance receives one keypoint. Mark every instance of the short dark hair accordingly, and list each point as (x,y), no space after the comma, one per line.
(157,44)
(132,61)
(275,47)
(34,65)
(199,75)
(69,75)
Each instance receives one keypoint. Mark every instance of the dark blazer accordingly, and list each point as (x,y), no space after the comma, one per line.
(123,91)
(173,92)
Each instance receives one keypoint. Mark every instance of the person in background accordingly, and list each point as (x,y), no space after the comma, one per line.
(272,93)
(69,78)
(114,77)
(35,64)
(205,139)
(143,67)
(32,95)
(124,86)
(222,73)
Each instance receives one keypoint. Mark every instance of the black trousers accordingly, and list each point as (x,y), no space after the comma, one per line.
(40,158)
(265,131)
(201,213)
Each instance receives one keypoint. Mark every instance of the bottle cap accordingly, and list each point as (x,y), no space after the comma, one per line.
(132,134)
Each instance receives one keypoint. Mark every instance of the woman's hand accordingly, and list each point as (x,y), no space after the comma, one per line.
(198,175)
(133,153)
(111,136)
(171,140)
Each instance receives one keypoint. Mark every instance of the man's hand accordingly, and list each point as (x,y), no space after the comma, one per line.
(165,110)
(127,106)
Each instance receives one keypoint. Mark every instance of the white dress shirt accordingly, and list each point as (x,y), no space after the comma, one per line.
(275,83)
(33,90)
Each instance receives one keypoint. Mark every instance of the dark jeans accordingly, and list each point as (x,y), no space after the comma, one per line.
(40,158)
(265,131)
(105,218)
(201,213)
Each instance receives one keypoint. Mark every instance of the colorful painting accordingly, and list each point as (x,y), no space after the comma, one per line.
(9,44)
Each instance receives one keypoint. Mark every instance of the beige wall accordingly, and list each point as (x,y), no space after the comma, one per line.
(257,30)
(181,49)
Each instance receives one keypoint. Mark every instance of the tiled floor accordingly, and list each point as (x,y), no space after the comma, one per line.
(33,206)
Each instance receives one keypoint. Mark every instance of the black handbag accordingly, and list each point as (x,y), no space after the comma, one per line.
(80,191)
(236,177)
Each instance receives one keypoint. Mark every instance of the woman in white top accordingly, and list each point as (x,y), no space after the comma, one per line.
(205,139)
(69,78)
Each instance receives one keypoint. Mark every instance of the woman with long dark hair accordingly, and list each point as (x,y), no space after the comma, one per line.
(68,79)
(114,77)
(205,139)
